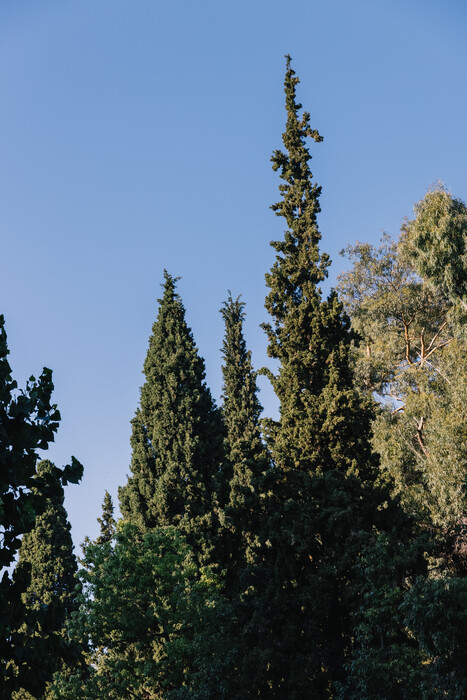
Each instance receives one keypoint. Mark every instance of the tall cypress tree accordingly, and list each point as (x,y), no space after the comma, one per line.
(249,461)
(177,433)
(47,552)
(323,501)
(245,451)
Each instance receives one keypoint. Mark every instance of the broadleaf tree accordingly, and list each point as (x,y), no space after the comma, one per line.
(146,615)
(411,354)
(435,241)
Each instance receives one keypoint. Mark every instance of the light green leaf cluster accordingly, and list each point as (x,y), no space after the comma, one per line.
(411,355)
(145,614)
(435,242)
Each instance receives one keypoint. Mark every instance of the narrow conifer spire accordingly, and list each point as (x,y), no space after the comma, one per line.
(245,452)
(177,432)
(241,407)
(242,518)
(308,335)
(107,521)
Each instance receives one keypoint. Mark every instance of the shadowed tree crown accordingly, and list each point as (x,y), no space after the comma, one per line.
(28,423)
(47,552)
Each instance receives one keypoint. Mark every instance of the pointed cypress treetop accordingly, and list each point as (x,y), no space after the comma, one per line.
(309,336)
(322,496)
(107,521)
(241,407)
(177,433)
(300,265)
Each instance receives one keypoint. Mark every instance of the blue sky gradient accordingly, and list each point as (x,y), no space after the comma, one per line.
(137,136)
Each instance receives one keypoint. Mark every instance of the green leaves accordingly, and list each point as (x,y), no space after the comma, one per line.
(435,242)
(324,496)
(435,613)
(406,300)
(148,614)
(412,357)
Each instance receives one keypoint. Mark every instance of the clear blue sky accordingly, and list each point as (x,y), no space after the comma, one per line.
(136,136)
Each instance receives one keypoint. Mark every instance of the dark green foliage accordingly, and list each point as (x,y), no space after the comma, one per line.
(143,641)
(46,553)
(28,422)
(436,612)
(386,657)
(309,336)
(324,500)
(107,521)
(242,517)
(177,433)
(328,561)
(246,454)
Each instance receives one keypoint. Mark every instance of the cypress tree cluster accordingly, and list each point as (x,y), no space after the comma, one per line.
(319,555)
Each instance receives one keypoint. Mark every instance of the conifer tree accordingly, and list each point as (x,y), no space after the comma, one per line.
(248,461)
(246,454)
(323,502)
(177,433)
(28,422)
(47,552)
(107,521)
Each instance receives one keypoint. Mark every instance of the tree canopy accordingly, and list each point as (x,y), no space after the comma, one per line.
(321,554)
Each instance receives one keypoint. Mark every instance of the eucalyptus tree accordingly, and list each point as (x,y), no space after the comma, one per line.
(411,354)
